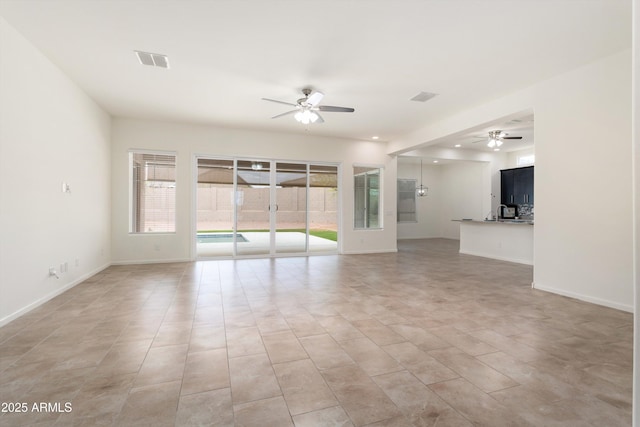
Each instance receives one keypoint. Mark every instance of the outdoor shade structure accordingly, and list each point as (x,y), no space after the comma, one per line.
(259,207)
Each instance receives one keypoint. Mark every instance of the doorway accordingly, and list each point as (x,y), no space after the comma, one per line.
(258,207)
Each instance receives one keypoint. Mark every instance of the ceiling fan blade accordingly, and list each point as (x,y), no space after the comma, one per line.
(285,114)
(279,102)
(511,137)
(320,119)
(335,109)
(315,98)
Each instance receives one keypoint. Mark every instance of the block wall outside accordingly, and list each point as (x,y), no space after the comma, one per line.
(215,207)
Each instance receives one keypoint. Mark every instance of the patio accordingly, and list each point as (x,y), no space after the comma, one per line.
(257,243)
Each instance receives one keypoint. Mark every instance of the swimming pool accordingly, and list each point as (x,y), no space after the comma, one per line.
(220,238)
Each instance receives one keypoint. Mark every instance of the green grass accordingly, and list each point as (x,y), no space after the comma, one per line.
(325,234)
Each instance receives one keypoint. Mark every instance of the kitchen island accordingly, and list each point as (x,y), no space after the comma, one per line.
(508,240)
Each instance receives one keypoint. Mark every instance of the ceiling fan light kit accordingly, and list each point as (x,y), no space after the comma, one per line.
(496,137)
(307,108)
(306,116)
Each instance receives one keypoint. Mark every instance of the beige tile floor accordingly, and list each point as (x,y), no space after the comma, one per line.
(423,337)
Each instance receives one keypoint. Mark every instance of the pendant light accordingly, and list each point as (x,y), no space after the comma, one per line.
(422,190)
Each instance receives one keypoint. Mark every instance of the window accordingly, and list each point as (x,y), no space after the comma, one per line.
(367,197)
(153,192)
(407,200)
(528,159)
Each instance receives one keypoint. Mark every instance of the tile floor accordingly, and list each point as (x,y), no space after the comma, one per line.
(423,337)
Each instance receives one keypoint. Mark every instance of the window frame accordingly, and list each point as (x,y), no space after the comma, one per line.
(134,197)
(531,160)
(414,183)
(372,170)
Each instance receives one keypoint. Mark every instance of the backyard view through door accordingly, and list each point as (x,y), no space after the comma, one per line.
(262,207)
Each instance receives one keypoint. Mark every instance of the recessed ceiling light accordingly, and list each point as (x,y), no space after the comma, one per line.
(375,137)
(457,145)
(435,161)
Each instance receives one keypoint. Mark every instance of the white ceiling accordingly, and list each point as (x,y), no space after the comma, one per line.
(476,139)
(373,55)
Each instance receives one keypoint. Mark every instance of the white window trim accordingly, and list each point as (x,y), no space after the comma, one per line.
(130,191)
(380,196)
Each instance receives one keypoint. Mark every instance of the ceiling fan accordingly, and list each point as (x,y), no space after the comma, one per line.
(307,108)
(496,137)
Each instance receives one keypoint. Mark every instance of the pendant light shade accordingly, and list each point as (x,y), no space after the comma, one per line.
(422,190)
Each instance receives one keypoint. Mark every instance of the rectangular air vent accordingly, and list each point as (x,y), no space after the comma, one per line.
(153,59)
(423,96)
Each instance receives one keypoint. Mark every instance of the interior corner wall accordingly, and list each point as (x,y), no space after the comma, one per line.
(189,140)
(456,190)
(50,132)
(583,212)
(427,224)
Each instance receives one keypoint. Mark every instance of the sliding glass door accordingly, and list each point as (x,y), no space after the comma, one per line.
(265,207)
(291,207)
(214,208)
(323,208)
(253,204)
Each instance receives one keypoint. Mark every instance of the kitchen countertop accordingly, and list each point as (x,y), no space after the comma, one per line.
(502,221)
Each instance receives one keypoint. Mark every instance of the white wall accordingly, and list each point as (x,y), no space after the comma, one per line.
(583,228)
(189,140)
(466,184)
(636,210)
(463,190)
(50,132)
(428,208)
(582,236)
(460,189)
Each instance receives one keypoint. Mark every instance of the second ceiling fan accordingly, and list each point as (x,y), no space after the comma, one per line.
(496,137)
(307,108)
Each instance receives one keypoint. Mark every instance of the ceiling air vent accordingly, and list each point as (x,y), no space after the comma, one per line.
(423,96)
(153,59)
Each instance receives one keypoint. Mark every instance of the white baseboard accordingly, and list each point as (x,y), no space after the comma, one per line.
(151,261)
(374,251)
(500,258)
(50,296)
(611,304)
